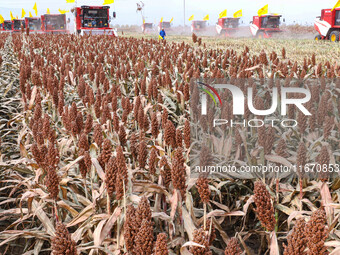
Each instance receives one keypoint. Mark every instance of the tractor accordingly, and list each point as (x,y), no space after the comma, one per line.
(227,26)
(198,26)
(34,24)
(94,20)
(328,25)
(16,25)
(265,26)
(54,24)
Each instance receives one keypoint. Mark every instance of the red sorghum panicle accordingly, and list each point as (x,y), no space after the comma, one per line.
(152,163)
(187,134)
(233,248)
(317,233)
(201,237)
(297,239)
(130,228)
(144,239)
(178,172)
(62,243)
(122,135)
(142,154)
(179,138)
(143,211)
(323,160)
(161,245)
(154,125)
(133,146)
(170,134)
(203,189)
(110,175)
(264,207)
(281,148)
(98,135)
(105,153)
(301,158)
(52,182)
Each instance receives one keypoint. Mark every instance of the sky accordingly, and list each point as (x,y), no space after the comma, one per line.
(294,11)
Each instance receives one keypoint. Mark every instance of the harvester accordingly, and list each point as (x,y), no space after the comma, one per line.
(166,25)
(198,26)
(54,23)
(7,26)
(227,26)
(94,20)
(265,26)
(328,25)
(34,24)
(147,27)
(16,25)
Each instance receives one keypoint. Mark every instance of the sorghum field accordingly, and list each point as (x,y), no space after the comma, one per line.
(95,143)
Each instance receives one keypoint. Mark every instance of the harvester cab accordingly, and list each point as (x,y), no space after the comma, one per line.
(54,23)
(34,24)
(164,25)
(227,26)
(16,25)
(147,27)
(328,25)
(7,26)
(266,25)
(198,25)
(94,20)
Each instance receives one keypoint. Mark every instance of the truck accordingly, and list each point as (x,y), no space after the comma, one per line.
(94,20)
(198,26)
(16,25)
(266,25)
(53,24)
(227,26)
(34,24)
(328,25)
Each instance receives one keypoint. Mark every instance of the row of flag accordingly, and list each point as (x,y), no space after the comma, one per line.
(223,14)
(172,19)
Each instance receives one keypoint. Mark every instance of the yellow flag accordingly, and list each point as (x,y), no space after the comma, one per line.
(238,14)
(63,11)
(23,13)
(172,19)
(30,15)
(160,37)
(48,11)
(70,1)
(12,17)
(161,20)
(108,2)
(35,9)
(336,5)
(263,10)
(191,17)
(223,14)
(2,20)
(206,17)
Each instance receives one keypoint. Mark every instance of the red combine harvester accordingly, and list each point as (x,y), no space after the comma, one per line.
(328,25)
(54,23)
(34,24)
(265,26)
(227,26)
(147,27)
(198,26)
(7,26)
(94,20)
(166,25)
(16,25)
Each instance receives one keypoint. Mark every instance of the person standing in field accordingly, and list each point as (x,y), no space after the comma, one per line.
(162,34)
